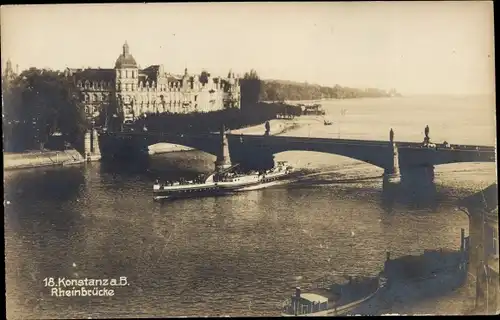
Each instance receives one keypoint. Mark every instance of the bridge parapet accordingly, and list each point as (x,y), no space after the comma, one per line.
(379,153)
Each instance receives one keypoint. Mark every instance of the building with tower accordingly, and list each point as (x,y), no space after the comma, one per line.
(130,92)
(8,74)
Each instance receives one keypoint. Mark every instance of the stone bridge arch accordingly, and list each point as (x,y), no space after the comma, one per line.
(137,142)
(377,153)
(425,157)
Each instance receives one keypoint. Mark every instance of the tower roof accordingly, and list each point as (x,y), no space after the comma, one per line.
(125,60)
(8,65)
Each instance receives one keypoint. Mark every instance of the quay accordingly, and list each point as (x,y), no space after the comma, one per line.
(36,159)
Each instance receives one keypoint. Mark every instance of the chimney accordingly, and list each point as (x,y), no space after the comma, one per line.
(297,292)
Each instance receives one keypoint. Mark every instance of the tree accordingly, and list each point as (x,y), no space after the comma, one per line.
(204,77)
(250,88)
(40,103)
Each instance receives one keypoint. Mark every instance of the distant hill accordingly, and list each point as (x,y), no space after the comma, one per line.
(281,90)
(289,82)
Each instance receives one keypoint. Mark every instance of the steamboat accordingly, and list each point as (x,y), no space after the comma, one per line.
(232,181)
(222,182)
(335,299)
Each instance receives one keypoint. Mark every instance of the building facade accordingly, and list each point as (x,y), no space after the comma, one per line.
(482,209)
(8,74)
(130,92)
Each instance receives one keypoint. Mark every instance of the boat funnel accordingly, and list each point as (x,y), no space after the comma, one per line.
(223,158)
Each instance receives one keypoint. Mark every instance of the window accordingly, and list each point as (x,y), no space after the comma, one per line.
(495,242)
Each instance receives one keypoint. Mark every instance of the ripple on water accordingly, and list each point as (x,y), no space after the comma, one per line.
(238,255)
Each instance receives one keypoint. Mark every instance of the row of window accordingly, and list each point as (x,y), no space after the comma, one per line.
(126,73)
(142,108)
(168,98)
(140,99)
(171,86)
(165,107)
(97,85)
(96,97)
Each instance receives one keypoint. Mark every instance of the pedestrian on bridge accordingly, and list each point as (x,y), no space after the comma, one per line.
(268,128)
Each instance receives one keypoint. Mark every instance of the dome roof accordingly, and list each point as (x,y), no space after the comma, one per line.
(125,60)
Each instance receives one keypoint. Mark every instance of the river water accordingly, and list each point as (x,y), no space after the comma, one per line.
(241,254)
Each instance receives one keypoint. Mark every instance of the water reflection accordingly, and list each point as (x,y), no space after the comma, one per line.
(207,251)
(41,218)
(125,167)
(416,190)
(31,202)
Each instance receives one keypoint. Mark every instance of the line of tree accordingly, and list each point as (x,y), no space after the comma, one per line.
(276,90)
(254,89)
(38,104)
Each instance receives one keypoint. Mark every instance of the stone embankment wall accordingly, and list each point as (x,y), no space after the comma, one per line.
(41,158)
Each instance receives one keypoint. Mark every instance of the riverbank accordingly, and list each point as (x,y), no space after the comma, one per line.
(429,295)
(438,280)
(33,159)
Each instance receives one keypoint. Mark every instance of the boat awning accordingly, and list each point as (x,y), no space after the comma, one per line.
(313,297)
(230,168)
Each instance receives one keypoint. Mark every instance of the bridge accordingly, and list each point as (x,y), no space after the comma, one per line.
(257,151)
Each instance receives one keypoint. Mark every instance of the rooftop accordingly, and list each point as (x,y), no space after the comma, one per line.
(125,60)
(313,297)
(483,201)
(493,263)
(94,74)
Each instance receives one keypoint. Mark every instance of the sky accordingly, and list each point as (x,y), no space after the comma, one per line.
(415,47)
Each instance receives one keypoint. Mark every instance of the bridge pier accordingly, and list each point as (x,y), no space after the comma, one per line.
(415,187)
(92,150)
(223,157)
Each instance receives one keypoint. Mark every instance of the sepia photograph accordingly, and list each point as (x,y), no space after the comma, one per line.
(266,159)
